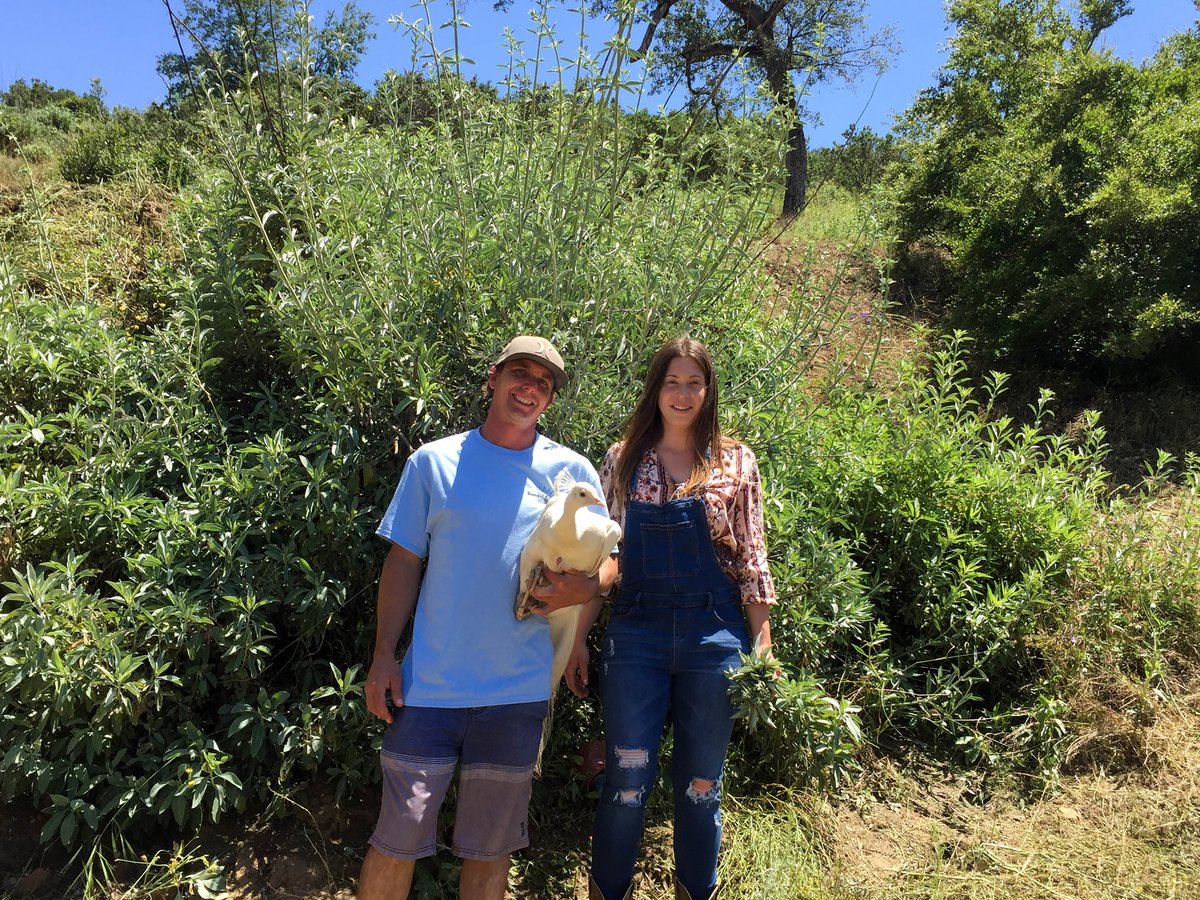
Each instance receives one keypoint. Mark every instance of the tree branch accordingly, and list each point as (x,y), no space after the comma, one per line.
(750,13)
(704,52)
(660,12)
(187,68)
(773,13)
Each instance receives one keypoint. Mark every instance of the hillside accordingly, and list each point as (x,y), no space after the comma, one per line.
(1123,818)
(227,324)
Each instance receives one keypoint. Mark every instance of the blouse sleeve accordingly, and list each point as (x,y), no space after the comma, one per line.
(607,472)
(747,522)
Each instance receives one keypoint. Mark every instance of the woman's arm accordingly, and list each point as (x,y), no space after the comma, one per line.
(758,588)
(758,623)
(749,533)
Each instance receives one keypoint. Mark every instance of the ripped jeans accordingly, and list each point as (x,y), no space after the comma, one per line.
(655,659)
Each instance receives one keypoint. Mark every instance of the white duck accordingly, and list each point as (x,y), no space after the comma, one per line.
(567,536)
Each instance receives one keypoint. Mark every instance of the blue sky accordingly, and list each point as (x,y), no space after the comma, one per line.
(69,42)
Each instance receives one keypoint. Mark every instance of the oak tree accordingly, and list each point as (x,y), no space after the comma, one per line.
(791,45)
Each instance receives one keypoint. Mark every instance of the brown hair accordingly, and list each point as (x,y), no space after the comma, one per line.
(644,427)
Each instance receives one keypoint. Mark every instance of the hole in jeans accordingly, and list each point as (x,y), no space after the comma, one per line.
(631,797)
(632,757)
(702,790)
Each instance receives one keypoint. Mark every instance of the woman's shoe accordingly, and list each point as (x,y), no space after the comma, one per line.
(594,892)
(681,893)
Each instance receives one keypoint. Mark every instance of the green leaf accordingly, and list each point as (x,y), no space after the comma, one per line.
(51,828)
(68,830)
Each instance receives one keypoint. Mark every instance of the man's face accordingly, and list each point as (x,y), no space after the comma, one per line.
(522,389)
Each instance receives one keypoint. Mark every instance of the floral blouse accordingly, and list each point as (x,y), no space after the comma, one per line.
(733,501)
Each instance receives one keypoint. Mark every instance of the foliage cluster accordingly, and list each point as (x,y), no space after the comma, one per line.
(1062,182)
(268,45)
(142,686)
(187,509)
(937,543)
(956,577)
(857,163)
(92,143)
(36,118)
(37,94)
(155,145)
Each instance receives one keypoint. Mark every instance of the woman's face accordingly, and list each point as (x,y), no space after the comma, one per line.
(682,394)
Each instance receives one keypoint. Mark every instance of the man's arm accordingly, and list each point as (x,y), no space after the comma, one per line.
(566,590)
(399,584)
(563,589)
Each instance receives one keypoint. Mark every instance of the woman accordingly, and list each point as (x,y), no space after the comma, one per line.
(694,593)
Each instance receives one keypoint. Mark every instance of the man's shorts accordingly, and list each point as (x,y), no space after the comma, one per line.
(496,746)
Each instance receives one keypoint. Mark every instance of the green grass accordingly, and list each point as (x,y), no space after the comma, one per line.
(772,849)
(832,216)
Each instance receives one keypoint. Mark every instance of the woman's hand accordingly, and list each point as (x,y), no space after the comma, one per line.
(764,651)
(759,623)
(576,673)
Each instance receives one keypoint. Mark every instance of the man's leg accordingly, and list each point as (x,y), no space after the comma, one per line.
(418,756)
(384,877)
(484,879)
(498,754)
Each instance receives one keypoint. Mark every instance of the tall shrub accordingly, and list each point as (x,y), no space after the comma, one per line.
(188,513)
(1059,182)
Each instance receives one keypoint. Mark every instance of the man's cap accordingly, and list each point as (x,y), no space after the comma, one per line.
(538,349)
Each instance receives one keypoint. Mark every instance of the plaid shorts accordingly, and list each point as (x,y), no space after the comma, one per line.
(495,747)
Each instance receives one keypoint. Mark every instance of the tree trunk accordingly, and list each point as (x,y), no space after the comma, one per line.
(796,163)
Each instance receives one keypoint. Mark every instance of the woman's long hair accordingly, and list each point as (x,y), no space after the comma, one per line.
(644,427)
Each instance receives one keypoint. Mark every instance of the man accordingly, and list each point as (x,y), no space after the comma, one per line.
(473,687)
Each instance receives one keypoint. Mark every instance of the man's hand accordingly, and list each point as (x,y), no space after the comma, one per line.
(576,673)
(383,676)
(558,590)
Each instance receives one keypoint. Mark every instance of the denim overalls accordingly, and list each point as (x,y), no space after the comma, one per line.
(676,627)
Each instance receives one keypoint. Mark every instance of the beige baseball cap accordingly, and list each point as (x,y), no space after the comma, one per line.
(538,349)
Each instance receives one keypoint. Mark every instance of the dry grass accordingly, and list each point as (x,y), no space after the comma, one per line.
(101,243)
(15,174)
(1132,833)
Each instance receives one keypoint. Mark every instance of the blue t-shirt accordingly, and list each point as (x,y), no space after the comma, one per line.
(467,506)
